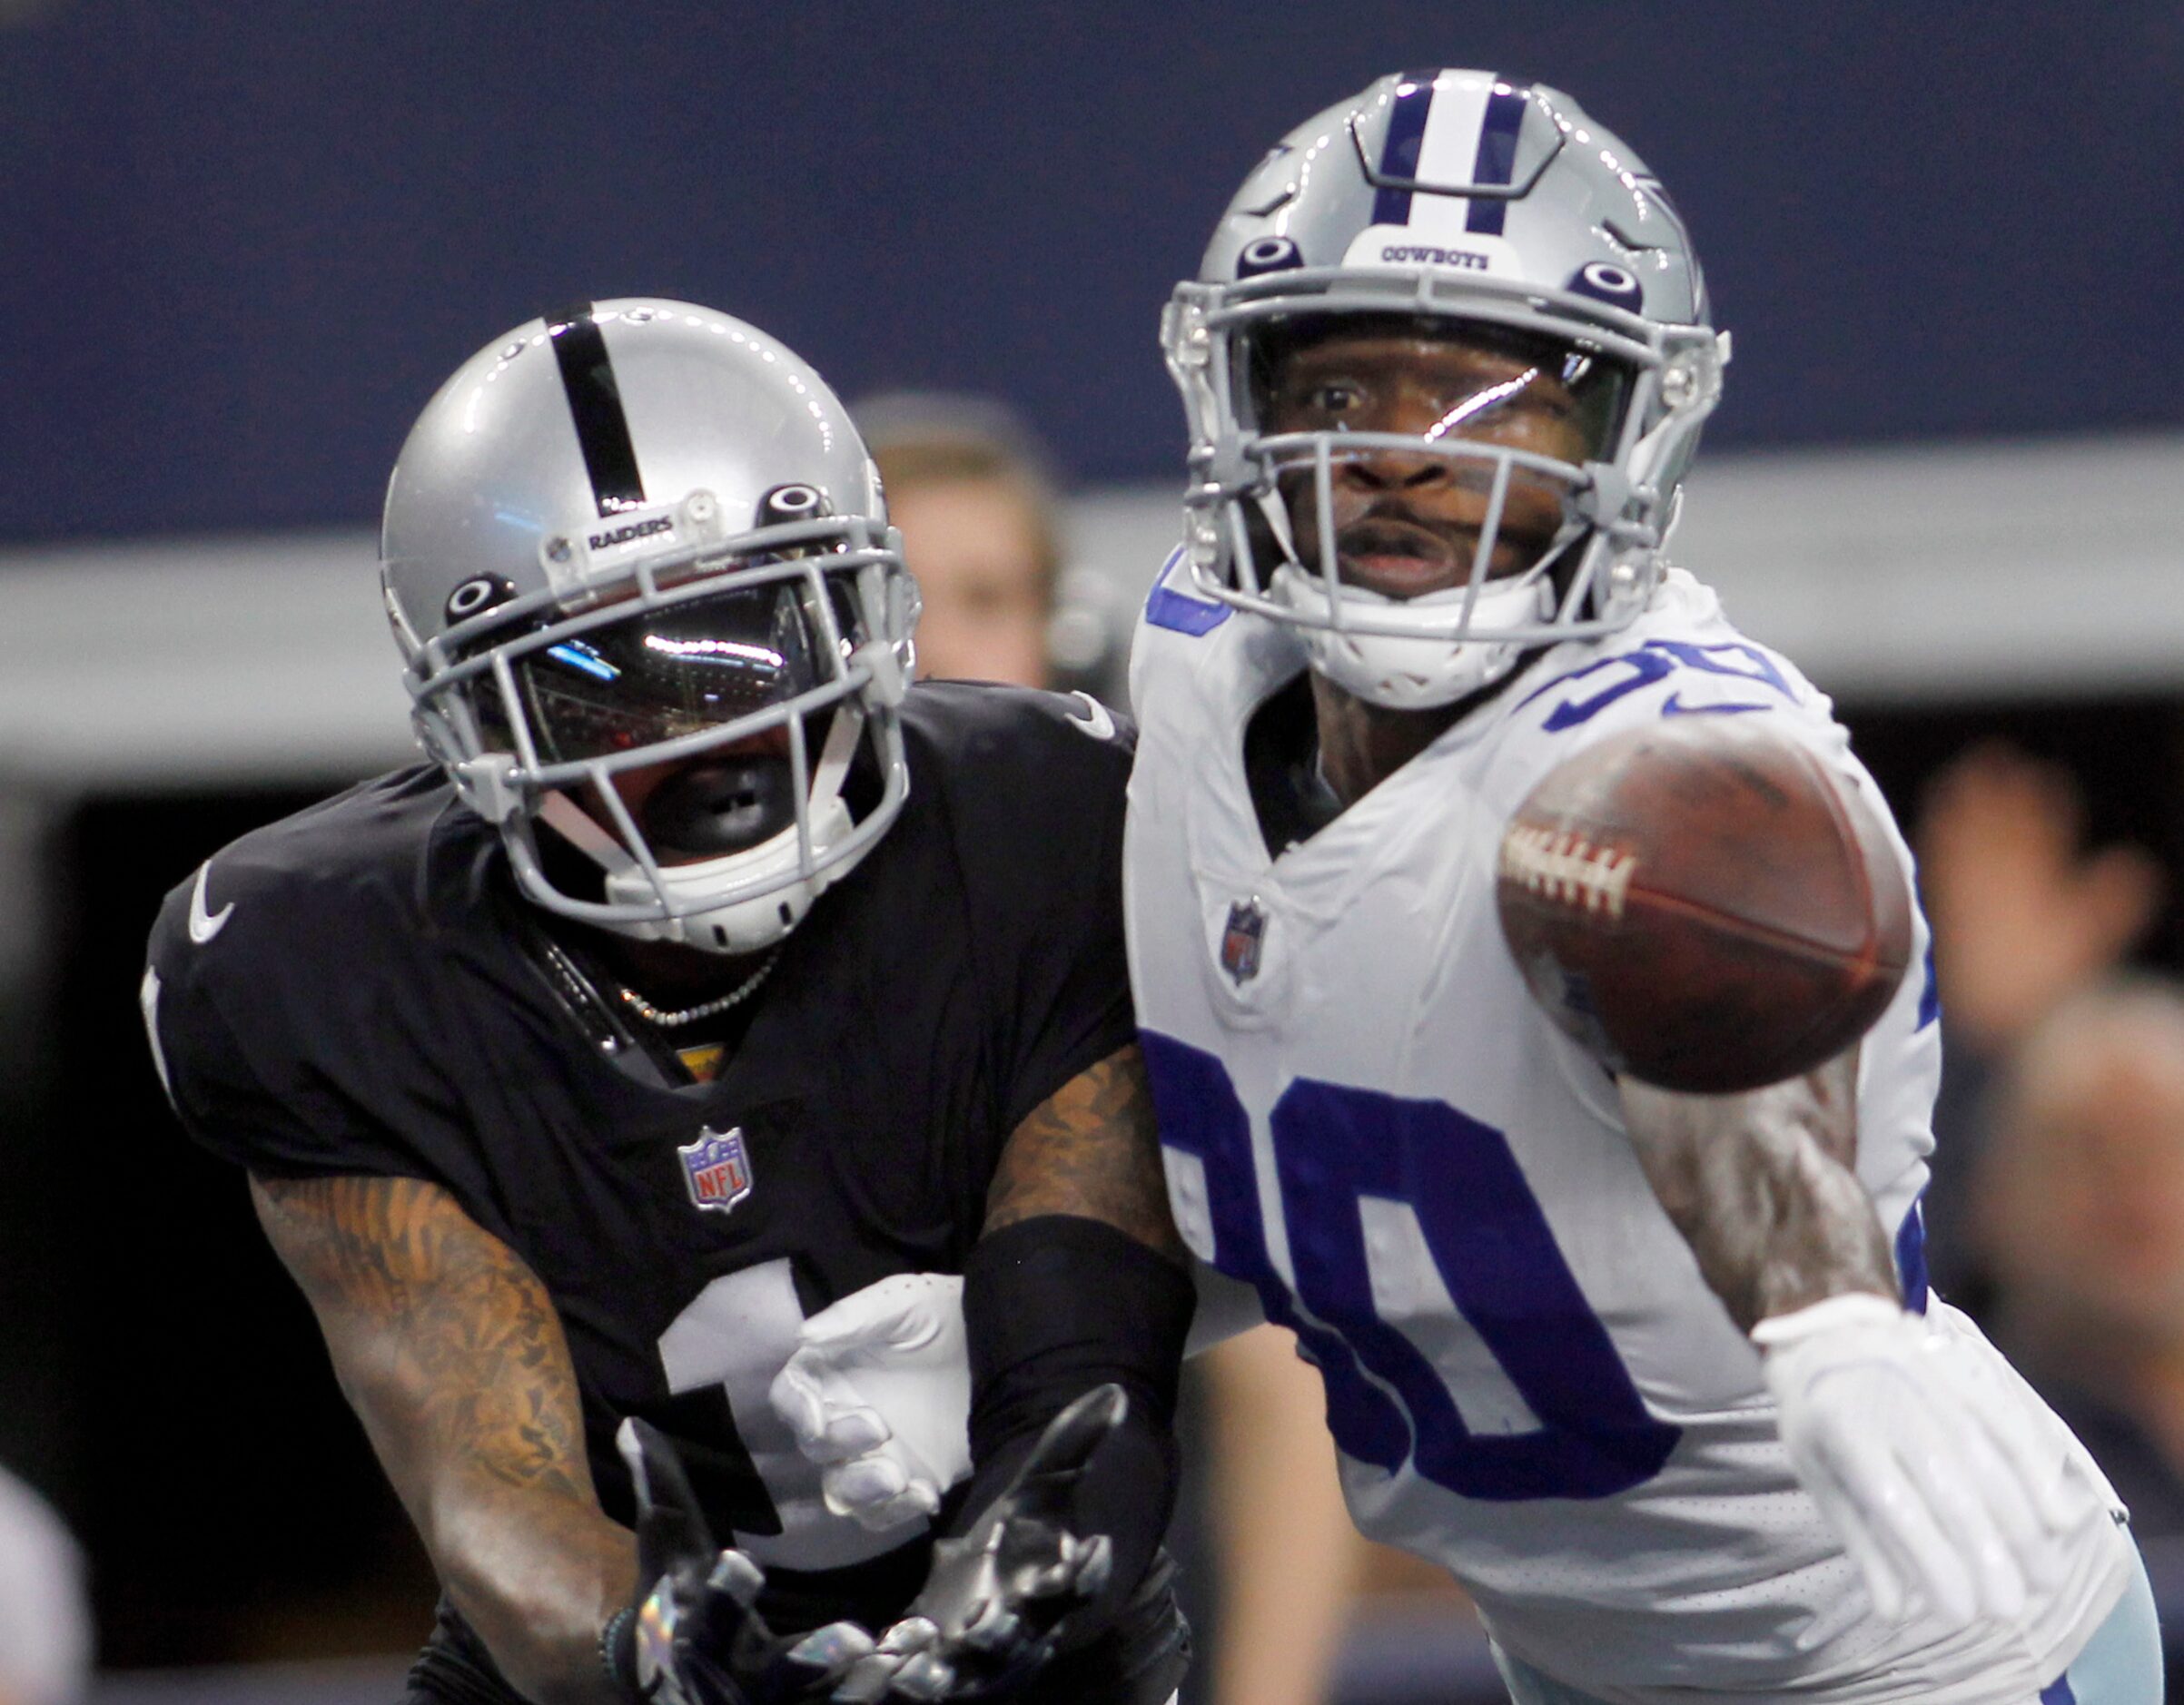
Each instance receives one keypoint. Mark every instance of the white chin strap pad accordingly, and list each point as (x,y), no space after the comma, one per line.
(1413,671)
(772,895)
(737,926)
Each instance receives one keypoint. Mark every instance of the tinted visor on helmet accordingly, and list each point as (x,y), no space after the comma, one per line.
(662,672)
(1440,380)
(1429,452)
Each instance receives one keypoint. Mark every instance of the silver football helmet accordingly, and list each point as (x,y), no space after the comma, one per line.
(642,534)
(1493,209)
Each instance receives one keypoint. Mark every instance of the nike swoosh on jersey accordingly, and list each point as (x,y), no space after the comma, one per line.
(147,998)
(1674,706)
(205,923)
(1096,722)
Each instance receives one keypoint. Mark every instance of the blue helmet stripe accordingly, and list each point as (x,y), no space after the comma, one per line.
(1497,162)
(1399,152)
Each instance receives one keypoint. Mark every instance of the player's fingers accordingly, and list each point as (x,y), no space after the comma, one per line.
(1077,1431)
(715,1618)
(867,1681)
(924,1676)
(848,1433)
(829,1419)
(1996,1578)
(2004,1480)
(872,1677)
(914,1503)
(796,1397)
(876,1492)
(1069,1442)
(995,1627)
(1848,1517)
(1905,1527)
(737,1576)
(1095,1566)
(821,1659)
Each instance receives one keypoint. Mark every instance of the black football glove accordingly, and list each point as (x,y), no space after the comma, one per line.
(700,1639)
(991,1611)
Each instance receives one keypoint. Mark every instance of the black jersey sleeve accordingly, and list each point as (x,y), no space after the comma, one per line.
(278,1021)
(1036,784)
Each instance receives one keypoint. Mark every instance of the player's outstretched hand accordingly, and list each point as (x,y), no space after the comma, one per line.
(1942,1484)
(996,1599)
(879,1395)
(700,1639)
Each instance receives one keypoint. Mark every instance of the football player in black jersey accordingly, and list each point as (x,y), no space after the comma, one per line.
(707,976)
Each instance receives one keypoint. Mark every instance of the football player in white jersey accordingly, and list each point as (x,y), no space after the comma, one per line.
(1658,1377)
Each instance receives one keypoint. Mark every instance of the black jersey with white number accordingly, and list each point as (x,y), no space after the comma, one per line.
(358,989)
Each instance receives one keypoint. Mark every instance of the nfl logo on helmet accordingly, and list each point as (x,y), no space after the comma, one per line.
(716,1169)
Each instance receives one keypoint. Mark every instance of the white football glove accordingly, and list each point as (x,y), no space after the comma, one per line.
(1941,1480)
(879,1396)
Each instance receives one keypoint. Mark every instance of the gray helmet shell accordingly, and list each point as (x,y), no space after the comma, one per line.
(596,467)
(1469,198)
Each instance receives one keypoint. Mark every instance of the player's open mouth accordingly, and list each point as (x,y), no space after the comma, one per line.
(1399,559)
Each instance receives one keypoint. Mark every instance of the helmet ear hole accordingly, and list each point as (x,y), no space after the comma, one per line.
(478,595)
(793,502)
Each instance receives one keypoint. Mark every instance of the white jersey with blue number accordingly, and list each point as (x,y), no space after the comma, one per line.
(1365,1115)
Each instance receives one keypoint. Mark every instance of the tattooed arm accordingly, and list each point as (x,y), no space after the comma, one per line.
(1763,1187)
(1092,1148)
(451,1353)
(1943,1486)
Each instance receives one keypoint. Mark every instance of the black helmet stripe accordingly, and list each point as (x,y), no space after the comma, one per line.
(595,404)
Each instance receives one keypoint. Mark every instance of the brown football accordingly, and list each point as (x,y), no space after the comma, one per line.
(1703,905)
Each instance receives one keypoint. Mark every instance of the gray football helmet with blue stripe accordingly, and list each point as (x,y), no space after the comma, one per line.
(1471,201)
(631,535)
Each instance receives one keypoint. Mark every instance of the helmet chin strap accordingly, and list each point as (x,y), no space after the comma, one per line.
(1405,671)
(734,926)
(1419,671)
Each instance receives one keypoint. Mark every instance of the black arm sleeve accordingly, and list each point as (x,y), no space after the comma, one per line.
(1054,1306)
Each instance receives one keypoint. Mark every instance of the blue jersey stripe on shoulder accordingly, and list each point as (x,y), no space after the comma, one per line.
(1177,612)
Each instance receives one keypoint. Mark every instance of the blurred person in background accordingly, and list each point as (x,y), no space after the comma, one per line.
(973,491)
(2024,916)
(2078,1211)
(970,488)
(45,1615)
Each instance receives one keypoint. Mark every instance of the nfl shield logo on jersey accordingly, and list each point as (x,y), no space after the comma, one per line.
(1240,940)
(716,1169)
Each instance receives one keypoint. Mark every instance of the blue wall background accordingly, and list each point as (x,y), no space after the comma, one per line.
(244,238)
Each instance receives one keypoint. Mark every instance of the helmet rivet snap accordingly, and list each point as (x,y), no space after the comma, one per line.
(556,550)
